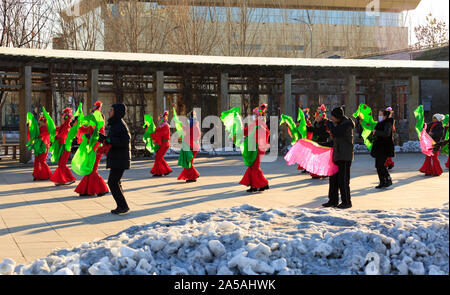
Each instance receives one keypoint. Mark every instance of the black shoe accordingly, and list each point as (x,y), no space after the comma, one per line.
(381,185)
(263,188)
(191,180)
(157,175)
(388,182)
(120,211)
(304,171)
(167,173)
(329,205)
(252,190)
(69,183)
(344,206)
(101,194)
(84,195)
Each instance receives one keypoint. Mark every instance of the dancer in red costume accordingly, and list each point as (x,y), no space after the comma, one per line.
(40,146)
(192,139)
(93,184)
(432,166)
(161,137)
(254,177)
(62,174)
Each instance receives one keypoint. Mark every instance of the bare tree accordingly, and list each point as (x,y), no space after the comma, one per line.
(195,30)
(142,27)
(433,33)
(23,24)
(78,32)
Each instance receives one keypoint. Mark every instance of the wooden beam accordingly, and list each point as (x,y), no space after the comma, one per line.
(25,94)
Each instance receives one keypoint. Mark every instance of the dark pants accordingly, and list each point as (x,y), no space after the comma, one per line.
(382,170)
(115,187)
(340,182)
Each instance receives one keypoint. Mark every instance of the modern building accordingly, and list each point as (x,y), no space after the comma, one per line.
(271,28)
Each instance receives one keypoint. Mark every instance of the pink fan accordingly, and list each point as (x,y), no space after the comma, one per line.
(426,142)
(313,157)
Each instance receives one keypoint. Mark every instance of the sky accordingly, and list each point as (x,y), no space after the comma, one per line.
(439,9)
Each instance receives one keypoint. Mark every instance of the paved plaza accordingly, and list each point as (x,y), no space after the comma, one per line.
(38,217)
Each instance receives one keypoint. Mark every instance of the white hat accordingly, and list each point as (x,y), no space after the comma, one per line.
(439,117)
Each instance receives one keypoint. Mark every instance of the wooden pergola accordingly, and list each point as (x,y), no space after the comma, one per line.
(28,70)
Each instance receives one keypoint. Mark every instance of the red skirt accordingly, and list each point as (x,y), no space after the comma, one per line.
(432,166)
(191,173)
(254,176)
(93,183)
(160,167)
(62,174)
(41,170)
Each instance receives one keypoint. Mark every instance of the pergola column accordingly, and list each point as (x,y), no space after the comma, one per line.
(224,100)
(288,105)
(24,107)
(413,103)
(49,93)
(158,87)
(224,97)
(350,99)
(92,93)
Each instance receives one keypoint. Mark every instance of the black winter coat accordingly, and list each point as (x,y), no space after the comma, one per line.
(342,135)
(320,133)
(119,155)
(383,144)
(435,130)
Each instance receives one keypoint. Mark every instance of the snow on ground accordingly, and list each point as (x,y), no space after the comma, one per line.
(250,240)
(407,147)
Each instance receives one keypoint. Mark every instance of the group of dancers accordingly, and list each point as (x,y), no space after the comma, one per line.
(44,137)
(323,148)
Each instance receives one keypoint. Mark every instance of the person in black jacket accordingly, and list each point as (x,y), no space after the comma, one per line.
(435,129)
(119,155)
(383,147)
(319,127)
(341,130)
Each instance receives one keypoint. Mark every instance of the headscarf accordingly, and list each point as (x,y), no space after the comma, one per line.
(260,111)
(97,106)
(389,109)
(164,117)
(439,117)
(67,114)
(321,112)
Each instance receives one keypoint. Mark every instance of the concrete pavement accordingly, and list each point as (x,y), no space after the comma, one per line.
(38,217)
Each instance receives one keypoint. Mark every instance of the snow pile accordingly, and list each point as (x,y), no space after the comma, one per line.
(360,148)
(250,240)
(407,147)
(411,147)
